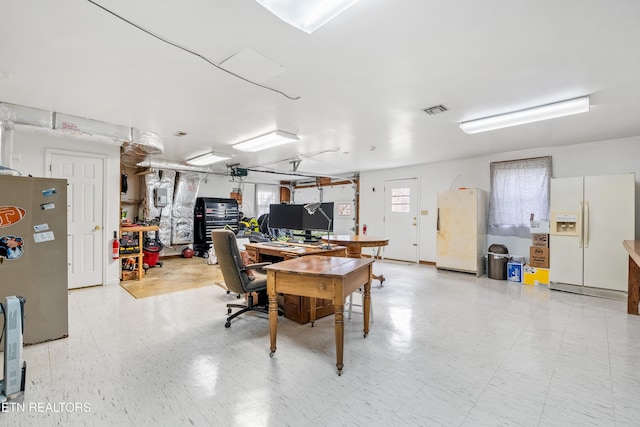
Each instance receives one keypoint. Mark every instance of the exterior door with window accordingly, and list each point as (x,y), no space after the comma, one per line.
(401,219)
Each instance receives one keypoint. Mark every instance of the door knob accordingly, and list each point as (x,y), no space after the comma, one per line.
(96,228)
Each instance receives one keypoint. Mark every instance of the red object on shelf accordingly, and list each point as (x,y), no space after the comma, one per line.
(115,253)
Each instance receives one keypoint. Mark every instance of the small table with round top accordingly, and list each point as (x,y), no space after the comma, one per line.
(355,243)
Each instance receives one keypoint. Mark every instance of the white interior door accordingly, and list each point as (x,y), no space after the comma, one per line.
(401,219)
(85,239)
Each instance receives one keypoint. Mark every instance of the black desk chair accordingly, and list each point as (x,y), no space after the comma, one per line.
(238,277)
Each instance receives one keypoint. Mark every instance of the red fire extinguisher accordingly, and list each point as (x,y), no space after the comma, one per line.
(364,229)
(116,246)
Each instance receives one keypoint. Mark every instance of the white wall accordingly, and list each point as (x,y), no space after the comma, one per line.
(28,157)
(594,158)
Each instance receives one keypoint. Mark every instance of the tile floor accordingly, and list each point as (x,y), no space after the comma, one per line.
(446,349)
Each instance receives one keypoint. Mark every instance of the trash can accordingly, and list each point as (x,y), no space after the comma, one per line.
(498,259)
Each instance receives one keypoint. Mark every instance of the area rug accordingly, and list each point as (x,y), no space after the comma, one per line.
(176,274)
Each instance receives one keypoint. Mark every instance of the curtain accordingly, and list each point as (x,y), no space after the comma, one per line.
(519,189)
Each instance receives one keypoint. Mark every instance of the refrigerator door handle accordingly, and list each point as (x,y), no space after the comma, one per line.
(438,221)
(581,213)
(586,224)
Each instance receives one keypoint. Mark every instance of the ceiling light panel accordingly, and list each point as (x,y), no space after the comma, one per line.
(208,159)
(266,141)
(307,15)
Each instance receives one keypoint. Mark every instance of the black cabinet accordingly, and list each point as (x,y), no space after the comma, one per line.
(211,213)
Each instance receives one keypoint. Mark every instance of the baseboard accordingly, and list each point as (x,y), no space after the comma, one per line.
(592,292)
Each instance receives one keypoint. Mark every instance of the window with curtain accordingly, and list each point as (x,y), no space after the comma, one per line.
(519,188)
(265,196)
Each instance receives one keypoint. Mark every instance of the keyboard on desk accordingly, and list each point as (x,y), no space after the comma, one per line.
(276,244)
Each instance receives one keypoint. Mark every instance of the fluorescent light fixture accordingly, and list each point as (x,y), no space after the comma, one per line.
(208,159)
(268,140)
(529,115)
(307,15)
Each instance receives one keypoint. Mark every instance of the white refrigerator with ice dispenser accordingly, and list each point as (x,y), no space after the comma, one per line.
(590,218)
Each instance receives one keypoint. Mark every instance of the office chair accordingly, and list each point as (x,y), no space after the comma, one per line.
(238,277)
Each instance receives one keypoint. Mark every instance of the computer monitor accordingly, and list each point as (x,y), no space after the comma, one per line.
(286,216)
(317,221)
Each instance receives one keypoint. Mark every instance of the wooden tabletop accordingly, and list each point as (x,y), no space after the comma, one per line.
(360,240)
(633,248)
(139,228)
(316,264)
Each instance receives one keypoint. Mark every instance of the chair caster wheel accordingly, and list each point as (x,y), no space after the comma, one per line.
(227,325)
(228,311)
(228,292)
(238,296)
(312,324)
(271,354)
(364,335)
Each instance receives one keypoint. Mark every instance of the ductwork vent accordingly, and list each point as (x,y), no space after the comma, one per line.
(142,145)
(436,109)
(16,114)
(157,163)
(137,144)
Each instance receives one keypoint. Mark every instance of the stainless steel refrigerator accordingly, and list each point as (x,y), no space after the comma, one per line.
(33,252)
(462,230)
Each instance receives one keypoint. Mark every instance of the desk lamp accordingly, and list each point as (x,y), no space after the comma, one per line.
(312,208)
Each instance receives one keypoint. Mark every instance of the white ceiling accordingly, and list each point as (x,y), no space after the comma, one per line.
(362,80)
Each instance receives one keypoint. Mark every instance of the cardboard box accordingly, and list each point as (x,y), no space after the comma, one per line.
(539,227)
(540,240)
(539,257)
(535,276)
(129,275)
(514,272)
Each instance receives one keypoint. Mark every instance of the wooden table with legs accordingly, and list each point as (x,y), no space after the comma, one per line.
(633,295)
(355,243)
(295,307)
(324,277)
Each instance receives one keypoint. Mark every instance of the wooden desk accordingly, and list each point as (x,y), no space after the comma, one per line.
(633,280)
(138,255)
(295,307)
(320,277)
(258,251)
(355,244)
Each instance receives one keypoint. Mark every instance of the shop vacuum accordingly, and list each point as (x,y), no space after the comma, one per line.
(151,250)
(15,369)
